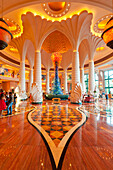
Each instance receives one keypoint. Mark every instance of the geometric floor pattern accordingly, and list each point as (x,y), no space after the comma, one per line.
(56,120)
(57,123)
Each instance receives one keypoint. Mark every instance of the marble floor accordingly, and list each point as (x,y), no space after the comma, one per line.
(64,136)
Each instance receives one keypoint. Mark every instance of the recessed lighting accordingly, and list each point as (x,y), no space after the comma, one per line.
(49,12)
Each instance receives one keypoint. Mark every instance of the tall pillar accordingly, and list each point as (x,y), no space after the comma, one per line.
(75,69)
(37,69)
(22,76)
(65,82)
(22,82)
(47,81)
(91,77)
(76,92)
(82,79)
(36,91)
(30,79)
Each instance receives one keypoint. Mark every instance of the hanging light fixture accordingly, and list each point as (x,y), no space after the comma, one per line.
(107,34)
(5,34)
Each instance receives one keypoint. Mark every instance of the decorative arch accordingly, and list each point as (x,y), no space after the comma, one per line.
(86,44)
(49,32)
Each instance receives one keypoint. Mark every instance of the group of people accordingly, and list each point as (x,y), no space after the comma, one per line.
(6,101)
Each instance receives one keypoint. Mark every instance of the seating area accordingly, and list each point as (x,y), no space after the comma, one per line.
(89,99)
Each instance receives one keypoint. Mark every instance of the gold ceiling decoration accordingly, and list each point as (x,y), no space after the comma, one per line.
(56,9)
(56,6)
(13,49)
(13,26)
(100,48)
(56,42)
(101,23)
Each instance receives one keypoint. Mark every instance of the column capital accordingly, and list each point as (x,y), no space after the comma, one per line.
(37,51)
(22,61)
(75,51)
(82,68)
(91,61)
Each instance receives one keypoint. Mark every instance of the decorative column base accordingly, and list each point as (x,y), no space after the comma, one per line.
(76,94)
(23,95)
(36,94)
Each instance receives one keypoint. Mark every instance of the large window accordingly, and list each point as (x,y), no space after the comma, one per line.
(86,77)
(96,79)
(108,76)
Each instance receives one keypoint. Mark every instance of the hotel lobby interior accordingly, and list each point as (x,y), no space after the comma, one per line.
(57,57)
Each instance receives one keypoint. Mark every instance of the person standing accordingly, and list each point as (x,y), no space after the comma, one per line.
(2,103)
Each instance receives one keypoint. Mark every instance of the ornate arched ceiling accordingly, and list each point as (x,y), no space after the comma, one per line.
(56,42)
(14,9)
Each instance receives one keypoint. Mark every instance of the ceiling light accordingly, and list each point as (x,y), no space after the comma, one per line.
(107,35)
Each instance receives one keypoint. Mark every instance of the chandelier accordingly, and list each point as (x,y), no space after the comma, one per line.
(56,58)
(5,34)
(107,35)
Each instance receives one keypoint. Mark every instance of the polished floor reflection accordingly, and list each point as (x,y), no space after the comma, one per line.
(18,108)
(56,123)
(23,146)
(102,108)
(56,120)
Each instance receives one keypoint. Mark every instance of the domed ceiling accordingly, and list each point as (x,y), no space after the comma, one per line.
(56,42)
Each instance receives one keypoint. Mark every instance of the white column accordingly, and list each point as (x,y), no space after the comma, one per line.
(36,90)
(65,82)
(30,79)
(82,79)
(37,69)
(22,82)
(22,77)
(47,81)
(91,77)
(76,93)
(75,69)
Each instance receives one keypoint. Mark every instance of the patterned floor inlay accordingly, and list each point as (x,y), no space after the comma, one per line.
(56,123)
